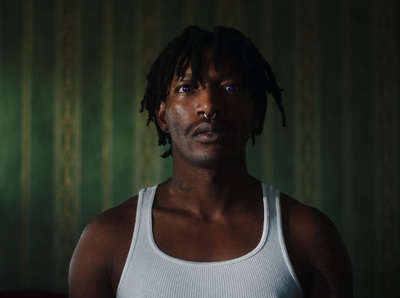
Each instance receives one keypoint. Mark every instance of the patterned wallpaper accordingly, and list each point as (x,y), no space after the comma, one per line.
(72,142)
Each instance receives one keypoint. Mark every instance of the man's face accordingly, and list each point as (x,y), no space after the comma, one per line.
(197,140)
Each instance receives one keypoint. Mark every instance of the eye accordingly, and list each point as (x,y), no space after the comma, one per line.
(231,88)
(184,89)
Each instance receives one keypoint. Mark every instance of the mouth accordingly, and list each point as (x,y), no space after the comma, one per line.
(210,133)
(206,128)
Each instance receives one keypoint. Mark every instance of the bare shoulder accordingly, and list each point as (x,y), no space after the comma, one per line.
(108,229)
(113,221)
(304,221)
(316,250)
(101,251)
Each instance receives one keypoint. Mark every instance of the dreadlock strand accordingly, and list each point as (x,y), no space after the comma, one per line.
(198,48)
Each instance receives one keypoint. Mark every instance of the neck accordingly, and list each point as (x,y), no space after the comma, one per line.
(210,192)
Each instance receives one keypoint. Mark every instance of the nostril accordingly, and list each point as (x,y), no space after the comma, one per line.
(210,116)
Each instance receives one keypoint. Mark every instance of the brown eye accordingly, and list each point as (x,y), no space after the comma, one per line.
(184,89)
(231,88)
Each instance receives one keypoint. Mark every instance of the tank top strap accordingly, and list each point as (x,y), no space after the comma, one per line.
(147,197)
(144,211)
(271,195)
(140,237)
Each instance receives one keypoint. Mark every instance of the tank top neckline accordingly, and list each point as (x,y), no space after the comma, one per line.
(150,197)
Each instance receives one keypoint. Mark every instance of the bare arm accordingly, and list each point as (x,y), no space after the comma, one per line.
(100,255)
(332,271)
(316,251)
(89,274)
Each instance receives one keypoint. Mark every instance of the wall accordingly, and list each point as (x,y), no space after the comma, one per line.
(72,142)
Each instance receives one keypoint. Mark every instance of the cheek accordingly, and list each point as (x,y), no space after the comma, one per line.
(245,115)
(176,122)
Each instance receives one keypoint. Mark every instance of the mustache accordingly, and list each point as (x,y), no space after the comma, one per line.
(223,125)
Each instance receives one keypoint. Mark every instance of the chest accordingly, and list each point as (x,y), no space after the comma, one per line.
(262,272)
(193,239)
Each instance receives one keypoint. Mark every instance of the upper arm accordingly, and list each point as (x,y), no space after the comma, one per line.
(100,254)
(89,273)
(331,266)
(316,250)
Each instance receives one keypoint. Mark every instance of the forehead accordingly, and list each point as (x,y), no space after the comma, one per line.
(224,65)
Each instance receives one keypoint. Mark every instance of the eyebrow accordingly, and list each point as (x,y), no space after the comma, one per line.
(187,76)
(221,75)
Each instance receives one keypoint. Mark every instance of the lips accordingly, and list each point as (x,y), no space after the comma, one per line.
(207,128)
(212,133)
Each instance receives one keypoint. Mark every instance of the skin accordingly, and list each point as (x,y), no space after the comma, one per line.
(211,207)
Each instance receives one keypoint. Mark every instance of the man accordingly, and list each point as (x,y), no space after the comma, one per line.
(211,230)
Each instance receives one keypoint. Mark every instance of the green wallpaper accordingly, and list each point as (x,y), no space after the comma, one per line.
(72,142)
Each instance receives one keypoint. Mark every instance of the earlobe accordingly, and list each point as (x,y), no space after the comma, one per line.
(162,119)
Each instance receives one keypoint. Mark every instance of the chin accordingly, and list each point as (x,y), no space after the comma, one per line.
(213,162)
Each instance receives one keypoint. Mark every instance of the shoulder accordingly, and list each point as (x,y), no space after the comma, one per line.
(110,225)
(303,221)
(101,251)
(316,250)
(113,220)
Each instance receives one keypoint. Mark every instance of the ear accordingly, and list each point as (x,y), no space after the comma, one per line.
(162,118)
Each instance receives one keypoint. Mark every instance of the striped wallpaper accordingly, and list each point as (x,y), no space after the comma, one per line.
(72,143)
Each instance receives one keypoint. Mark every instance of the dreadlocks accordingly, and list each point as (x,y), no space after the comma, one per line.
(187,49)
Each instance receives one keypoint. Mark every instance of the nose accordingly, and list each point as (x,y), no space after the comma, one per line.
(208,102)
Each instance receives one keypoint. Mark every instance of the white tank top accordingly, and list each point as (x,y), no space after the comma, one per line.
(266,271)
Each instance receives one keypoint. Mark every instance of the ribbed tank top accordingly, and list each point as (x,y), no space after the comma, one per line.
(266,271)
